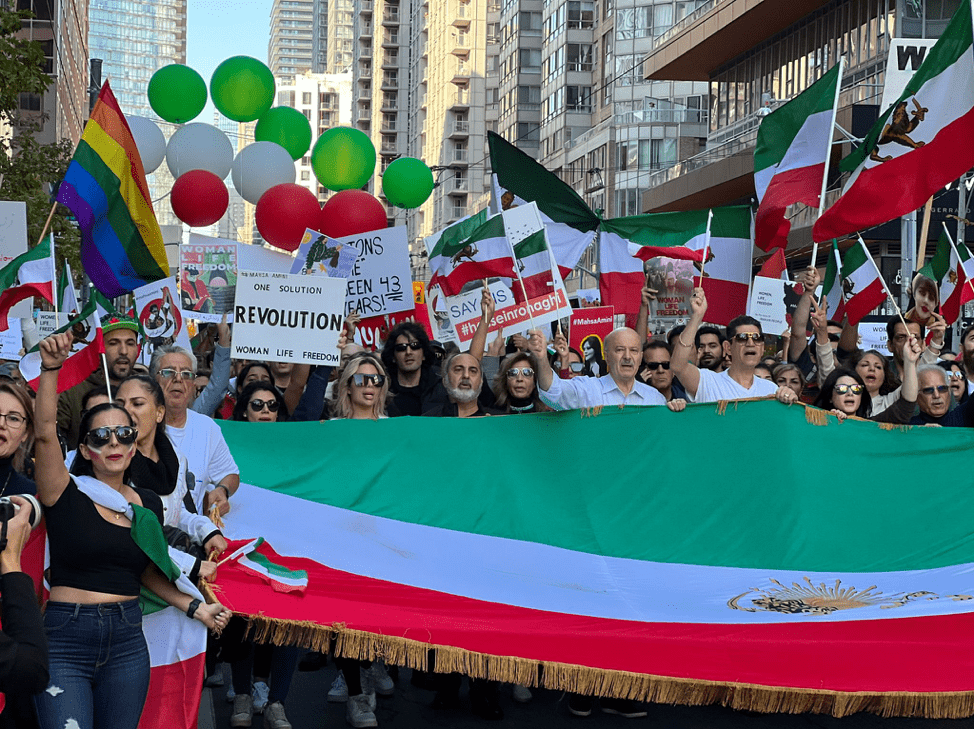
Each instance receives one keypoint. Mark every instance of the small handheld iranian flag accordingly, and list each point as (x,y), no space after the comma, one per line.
(832,286)
(534,262)
(864,286)
(269,568)
(88,347)
(791,157)
(949,268)
(485,253)
(28,275)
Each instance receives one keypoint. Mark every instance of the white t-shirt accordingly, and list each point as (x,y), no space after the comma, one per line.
(716,386)
(207,453)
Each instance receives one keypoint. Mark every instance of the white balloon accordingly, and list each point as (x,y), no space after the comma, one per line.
(260,166)
(199,147)
(149,140)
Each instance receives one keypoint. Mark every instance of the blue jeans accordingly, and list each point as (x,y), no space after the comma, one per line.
(99,666)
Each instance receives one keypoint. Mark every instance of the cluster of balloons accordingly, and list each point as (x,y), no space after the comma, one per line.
(200,157)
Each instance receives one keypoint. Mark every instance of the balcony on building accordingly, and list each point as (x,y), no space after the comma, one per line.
(718,31)
(365,6)
(390,16)
(460,129)
(388,145)
(460,157)
(457,212)
(462,99)
(365,71)
(390,60)
(390,38)
(390,80)
(461,72)
(461,16)
(460,42)
(457,186)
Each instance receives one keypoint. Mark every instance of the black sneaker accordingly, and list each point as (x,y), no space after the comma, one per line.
(580,705)
(626,708)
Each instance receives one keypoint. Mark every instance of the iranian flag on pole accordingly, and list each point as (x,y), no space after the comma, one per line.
(832,286)
(85,357)
(484,254)
(534,263)
(28,275)
(791,157)
(948,268)
(864,287)
(918,145)
(856,600)
(517,179)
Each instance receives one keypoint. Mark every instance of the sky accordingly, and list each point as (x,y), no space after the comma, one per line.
(219,29)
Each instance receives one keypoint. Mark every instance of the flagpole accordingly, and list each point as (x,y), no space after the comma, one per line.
(828,155)
(838,274)
(883,282)
(47,223)
(108,380)
(57,321)
(706,244)
(924,230)
(961,262)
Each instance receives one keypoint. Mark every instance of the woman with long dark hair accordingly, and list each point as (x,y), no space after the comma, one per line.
(100,529)
(516,385)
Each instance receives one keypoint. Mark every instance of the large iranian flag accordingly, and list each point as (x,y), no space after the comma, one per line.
(919,144)
(832,291)
(864,287)
(757,597)
(484,253)
(791,157)
(949,269)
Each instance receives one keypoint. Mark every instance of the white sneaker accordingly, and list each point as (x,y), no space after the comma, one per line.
(381,680)
(243,711)
(522,694)
(368,685)
(338,693)
(358,712)
(260,692)
(274,717)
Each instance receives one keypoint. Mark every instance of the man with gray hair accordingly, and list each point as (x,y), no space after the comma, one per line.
(463,380)
(934,400)
(196,436)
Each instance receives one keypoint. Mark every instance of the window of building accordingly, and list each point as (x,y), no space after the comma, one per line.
(530,59)
(306,97)
(581,14)
(579,98)
(580,57)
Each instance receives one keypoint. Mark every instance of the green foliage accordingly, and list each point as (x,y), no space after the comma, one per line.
(31,171)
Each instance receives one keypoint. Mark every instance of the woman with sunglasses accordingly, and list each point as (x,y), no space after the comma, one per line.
(158,466)
(99,662)
(516,385)
(361,389)
(260,402)
(566,361)
(957,379)
(844,392)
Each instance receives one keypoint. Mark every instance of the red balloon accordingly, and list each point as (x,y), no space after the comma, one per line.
(199,198)
(284,212)
(350,212)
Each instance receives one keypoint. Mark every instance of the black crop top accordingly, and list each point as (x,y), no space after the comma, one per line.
(90,553)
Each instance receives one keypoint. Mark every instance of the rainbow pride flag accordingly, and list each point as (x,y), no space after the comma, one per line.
(105,189)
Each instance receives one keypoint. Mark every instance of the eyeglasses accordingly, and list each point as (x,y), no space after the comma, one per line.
(515,371)
(846,389)
(15,421)
(929,391)
(360,379)
(415,346)
(258,405)
(956,375)
(657,365)
(100,437)
(169,373)
(748,336)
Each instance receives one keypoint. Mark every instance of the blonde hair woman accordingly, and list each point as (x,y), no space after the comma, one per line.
(361,390)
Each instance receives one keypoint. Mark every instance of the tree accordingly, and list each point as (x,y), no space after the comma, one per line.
(29,170)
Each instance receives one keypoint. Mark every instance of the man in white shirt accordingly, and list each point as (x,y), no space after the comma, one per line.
(744,345)
(195,436)
(623,353)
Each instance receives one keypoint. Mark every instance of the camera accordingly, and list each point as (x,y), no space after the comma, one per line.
(8,509)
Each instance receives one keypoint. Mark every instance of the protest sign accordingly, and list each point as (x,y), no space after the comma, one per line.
(319,255)
(284,317)
(208,277)
(673,282)
(872,333)
(12,341)
(373,331)
(773,301)
(588,329)
(161,319)
(49,322)
(379,281)
(13,242)
(260,258)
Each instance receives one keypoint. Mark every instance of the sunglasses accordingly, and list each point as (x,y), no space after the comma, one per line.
(169,373)
(258,405)
(100,437)
(956,375)
(515,371)
(415,346)
(576,366)
(846,389)
(361,380)
(928,391)
(748,337)
(657,365)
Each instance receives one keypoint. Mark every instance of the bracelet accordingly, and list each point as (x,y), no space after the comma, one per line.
(191,610)
(50,369)
(221,486)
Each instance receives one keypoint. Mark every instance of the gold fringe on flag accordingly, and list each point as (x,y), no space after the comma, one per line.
(589,681)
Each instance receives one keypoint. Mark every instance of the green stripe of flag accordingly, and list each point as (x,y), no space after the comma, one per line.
(532,245)
(275,570)
(8,274)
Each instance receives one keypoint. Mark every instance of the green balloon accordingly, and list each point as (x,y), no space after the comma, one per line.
(242,88)
(407,182)
(177,93)
(287,127)
(343,159)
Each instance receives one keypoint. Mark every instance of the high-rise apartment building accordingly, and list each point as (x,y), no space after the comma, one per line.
(134,40)
(294,36)
(61,27)
(340,46)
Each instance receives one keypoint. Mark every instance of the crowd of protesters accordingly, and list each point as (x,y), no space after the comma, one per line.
(135,444)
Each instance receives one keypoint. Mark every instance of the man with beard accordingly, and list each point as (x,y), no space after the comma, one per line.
(462,380)
(709,342)
(196,436)
(623,352)
(744,345)
(121,336)
(933,399)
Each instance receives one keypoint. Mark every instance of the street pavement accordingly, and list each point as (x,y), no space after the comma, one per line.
(307,708)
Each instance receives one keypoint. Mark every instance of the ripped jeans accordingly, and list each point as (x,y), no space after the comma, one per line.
(99,666)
